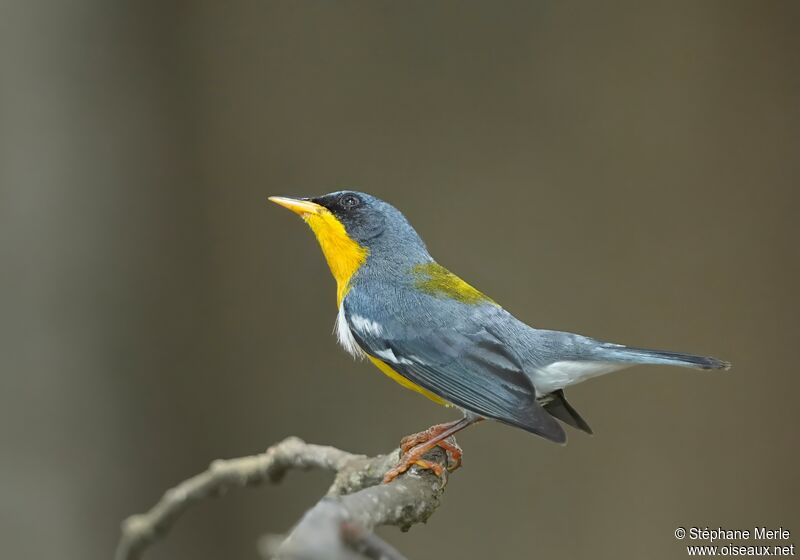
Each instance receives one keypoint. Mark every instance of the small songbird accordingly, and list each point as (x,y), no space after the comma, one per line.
(430,331)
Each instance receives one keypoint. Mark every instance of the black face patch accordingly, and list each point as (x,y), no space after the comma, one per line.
(361,220)
(341,203)
(346,206)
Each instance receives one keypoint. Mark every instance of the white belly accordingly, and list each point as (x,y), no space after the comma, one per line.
(563,374)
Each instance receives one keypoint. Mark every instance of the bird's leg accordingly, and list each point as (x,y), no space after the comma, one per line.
(454,452)
(426,435)
(413,447)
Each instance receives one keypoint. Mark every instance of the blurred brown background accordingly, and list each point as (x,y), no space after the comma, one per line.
(626,170)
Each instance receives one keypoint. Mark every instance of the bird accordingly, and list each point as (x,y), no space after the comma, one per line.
(433,333)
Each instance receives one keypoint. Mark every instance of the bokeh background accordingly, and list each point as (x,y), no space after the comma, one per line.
(626,170)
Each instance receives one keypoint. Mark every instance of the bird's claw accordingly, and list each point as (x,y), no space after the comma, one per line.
(407,462)
(413,447)
(454,452)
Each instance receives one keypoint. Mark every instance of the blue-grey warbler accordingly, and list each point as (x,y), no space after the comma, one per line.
(430,331)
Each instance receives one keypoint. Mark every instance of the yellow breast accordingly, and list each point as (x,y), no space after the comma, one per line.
(385,368)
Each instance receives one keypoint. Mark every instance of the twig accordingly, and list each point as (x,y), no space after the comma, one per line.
(367,543)
(338,527)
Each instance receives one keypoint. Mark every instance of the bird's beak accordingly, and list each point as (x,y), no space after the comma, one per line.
(298,206)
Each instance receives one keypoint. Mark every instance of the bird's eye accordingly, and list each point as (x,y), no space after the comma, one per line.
(349,201)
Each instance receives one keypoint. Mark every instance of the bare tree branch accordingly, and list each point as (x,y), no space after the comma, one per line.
(338,527)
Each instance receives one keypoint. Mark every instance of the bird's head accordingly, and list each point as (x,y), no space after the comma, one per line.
(353,226)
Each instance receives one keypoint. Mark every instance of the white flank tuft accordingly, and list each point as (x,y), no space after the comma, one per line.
(345,336)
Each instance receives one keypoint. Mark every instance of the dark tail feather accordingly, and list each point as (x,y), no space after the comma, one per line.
(558,407)
(631,355)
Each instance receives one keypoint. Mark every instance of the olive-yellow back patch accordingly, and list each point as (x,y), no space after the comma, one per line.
(344,255)
(432,278)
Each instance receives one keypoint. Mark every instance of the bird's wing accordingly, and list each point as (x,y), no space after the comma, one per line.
(454,351)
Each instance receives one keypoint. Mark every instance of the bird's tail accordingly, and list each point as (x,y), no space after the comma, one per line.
(632,355)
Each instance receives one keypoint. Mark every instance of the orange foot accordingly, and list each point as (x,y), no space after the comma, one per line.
(414,457)
(413,448)
(454,452)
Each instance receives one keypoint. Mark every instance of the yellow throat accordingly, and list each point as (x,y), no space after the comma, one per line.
(344,255)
